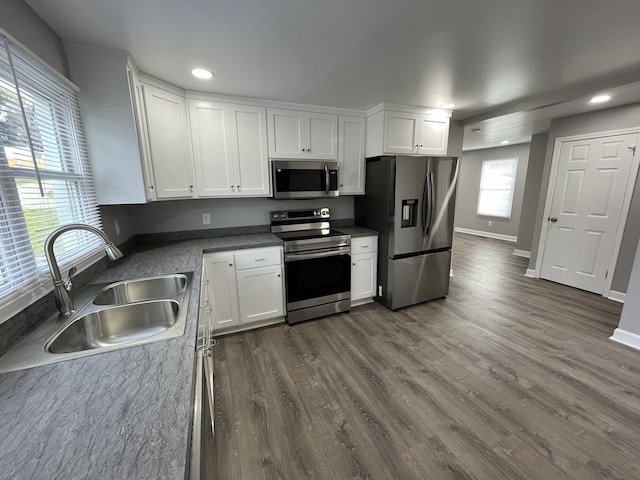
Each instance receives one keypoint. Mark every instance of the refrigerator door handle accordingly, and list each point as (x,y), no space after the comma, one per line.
(430,193)
(423,208)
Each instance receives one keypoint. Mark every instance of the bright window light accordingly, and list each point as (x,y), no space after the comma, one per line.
(497,185)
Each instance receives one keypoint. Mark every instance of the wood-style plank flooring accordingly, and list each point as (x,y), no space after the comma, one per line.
(507,378)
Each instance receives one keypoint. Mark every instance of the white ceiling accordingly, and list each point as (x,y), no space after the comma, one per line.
(509,65)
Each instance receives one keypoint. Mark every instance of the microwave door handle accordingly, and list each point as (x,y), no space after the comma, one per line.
(326,178)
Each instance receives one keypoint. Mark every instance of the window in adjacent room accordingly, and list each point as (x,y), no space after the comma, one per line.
(45,178)
(497,184)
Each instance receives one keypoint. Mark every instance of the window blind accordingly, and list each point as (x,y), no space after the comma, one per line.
(497,184)
(45,176)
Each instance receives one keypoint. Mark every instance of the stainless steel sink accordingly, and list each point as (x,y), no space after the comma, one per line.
(113,316)
(141,290)
(115,326)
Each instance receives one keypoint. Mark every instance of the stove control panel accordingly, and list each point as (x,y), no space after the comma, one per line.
(323,212)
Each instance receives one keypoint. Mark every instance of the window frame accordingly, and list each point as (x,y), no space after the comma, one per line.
(56,110)
(484,170)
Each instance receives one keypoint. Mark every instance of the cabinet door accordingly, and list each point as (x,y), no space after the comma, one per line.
(363,276)
(169,143)
(352,161)
(433,135)
(401,132)
(249,147)
(321,136)
(260,294)
(213,162)
(223,296)
(285,133)
(137,103)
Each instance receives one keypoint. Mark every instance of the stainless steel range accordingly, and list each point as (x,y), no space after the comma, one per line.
(317,263)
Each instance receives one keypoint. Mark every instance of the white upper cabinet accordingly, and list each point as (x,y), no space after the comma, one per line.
(169,143)
(110,107)
(249,150)
(230,149)
(299,135)
(407,133)
(351,155)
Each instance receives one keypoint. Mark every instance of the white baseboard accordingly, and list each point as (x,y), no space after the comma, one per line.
(624,337)
(521,253)
(480,233)
(617,296)
(530,273)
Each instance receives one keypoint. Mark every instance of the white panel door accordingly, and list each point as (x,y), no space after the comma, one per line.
(322,135)
(586,209)
(351,155)
(400,132)
(213,163)
(223,296)
(249,147)
(433,135)
(260,293)
(169,143)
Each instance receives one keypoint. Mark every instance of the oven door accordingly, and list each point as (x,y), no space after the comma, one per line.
(304,179)
(317,278)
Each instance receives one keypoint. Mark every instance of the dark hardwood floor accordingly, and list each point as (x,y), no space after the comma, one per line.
(507,378)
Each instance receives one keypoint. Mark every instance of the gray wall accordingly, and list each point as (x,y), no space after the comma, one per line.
(20,21)
(630,317)
(600,121)
(531,191)
(121,213)
(182,215)
(469,190)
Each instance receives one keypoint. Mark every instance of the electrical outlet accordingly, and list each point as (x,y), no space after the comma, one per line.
(206,219)
(379,290)
(116,225)
(490,223)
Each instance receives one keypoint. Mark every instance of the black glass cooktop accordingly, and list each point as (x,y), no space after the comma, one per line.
(308,234)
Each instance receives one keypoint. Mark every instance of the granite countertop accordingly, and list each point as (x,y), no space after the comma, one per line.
(356,231)
(123,414)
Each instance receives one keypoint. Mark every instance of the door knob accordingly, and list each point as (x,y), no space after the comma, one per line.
(552,219)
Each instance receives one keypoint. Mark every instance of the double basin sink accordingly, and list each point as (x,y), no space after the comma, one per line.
(116,315)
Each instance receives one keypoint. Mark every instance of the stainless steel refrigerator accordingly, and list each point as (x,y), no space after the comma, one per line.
(410,201)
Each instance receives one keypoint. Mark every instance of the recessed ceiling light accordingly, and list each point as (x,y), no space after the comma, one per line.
(504,142)
(448,105)
(600,99)
(202,73)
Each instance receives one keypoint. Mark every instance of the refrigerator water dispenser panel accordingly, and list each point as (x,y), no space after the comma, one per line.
(409,213)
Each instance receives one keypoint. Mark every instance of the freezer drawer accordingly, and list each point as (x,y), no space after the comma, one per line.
(417,279)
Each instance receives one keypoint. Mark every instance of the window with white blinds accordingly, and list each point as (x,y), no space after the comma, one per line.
(45,179)
(497,185)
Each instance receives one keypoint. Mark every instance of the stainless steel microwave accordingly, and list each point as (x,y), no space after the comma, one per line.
(304,178)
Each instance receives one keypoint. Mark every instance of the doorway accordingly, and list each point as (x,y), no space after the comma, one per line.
(590,188)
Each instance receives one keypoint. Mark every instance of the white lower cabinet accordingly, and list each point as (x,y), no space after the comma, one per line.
(245,287)
(364,263)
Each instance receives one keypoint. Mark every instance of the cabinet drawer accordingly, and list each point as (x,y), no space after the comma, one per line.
(260,257)
(364,245)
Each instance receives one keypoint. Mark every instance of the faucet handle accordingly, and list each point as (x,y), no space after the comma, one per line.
(68,285)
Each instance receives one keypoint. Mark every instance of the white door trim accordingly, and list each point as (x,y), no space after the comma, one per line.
(626,202)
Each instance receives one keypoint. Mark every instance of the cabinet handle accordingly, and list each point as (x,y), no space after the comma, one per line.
(150,187)
(231,264)
(416,146)
(231,187)
(364,246)
(353,264)
(420,145)
(278,275)
(259,259)
(342,184)
(191,188)
(238,186)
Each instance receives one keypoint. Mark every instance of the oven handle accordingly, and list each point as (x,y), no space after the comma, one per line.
(294,257)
